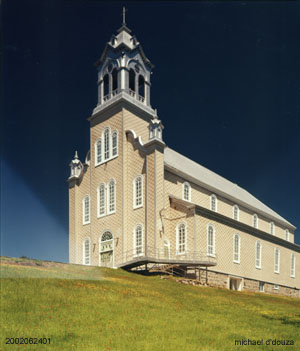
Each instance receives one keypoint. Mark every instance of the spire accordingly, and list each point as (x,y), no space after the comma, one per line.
(124,13)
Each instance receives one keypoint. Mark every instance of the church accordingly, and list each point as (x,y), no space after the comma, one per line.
(134,202)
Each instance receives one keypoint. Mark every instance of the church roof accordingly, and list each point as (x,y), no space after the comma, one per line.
(217,184)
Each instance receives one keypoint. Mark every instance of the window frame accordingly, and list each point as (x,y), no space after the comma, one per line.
(187,184)
(293,266)
(135,206)
(178,244)
(287,235)
(276,264)
(260,254)
(236,207)
(213,253)
(104,201)
(108,196)
(272,228)
(135,246)
(110,144)
(261,286)
(87,239)
(214,196)
(84,221)
(238,260)
(114,132)
(255,223)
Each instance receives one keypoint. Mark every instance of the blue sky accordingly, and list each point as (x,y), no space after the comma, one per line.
(226,85)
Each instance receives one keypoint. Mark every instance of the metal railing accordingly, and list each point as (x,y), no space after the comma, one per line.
(157,254)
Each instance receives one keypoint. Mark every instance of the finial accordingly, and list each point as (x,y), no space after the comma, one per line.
(124,22)
(76,155)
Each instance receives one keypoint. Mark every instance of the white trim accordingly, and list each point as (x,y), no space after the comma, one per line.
(216,202)
(276,287)
(83,210)
(238,260)
(255,224)
(83,251)
(276,264)
(189,191)
(110,146)
(272,228)
(260,254)
(185,238)
(287,235)
(134,191)
(100,241)
(213,254)
(293,266)
(108,196)
(117,133)
(98,200)
(135,254)
(238,212)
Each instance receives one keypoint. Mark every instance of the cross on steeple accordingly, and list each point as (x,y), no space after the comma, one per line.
(124,11)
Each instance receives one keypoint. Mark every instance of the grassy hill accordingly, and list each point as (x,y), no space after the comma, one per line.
(91,308)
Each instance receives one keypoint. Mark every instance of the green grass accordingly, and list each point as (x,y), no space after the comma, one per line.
(106,309)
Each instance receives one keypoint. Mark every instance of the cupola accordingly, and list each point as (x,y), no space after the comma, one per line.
(155,128)
(76,167)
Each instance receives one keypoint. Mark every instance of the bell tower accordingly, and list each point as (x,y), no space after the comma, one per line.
(124,71)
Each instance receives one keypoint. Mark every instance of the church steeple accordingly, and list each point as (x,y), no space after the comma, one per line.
(124,70)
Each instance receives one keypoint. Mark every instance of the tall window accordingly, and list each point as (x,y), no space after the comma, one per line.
(138,240)
(114,143)
(98,151)
(112,196)
(287,235)
(105,85)
(186,191)
(138,192)
(272,228)
(276,260)
(86,209)
(255,221)
(213,203)
(181,238)
(293,265)
(106,144)
(114,75)
(236,213)
(86,251)
(236,248)
(131,80)
(258,255)
(141,86)
(210,241)
(101,199)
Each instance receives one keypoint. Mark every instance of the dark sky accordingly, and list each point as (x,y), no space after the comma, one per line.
(226,85)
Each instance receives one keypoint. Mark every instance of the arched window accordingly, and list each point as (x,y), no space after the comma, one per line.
(293,266)
(101,200)
(114,143)
(112,196)
(86,209)
(213,203)
(236,212)
(114,79)
(255,221)
(210,240)
(138,240)
(106,144)
(131,80)
(141,86)
(87,251)
(258,254)
(186,191)
(272,228)
(277,260)
(138,192)
(236,248)
(98,151)
(105,85)
(181,238)
(287,235)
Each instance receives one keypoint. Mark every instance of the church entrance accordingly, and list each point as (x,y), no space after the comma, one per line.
(107,250)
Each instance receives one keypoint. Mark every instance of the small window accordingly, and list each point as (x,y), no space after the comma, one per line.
(112,197)
(86,252)
(287,235)
(98,151)
(213,203)
(114,143)
(101,200)
(258,255)
(255,221)
(236,248)
(277,260)
(210,241)
(272,228)
(138,192)
(106,144)
(236,212)
(138,240)
(181,238)
(86,209)
(186,191)
(261,286)
(293,266)
(276,287)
